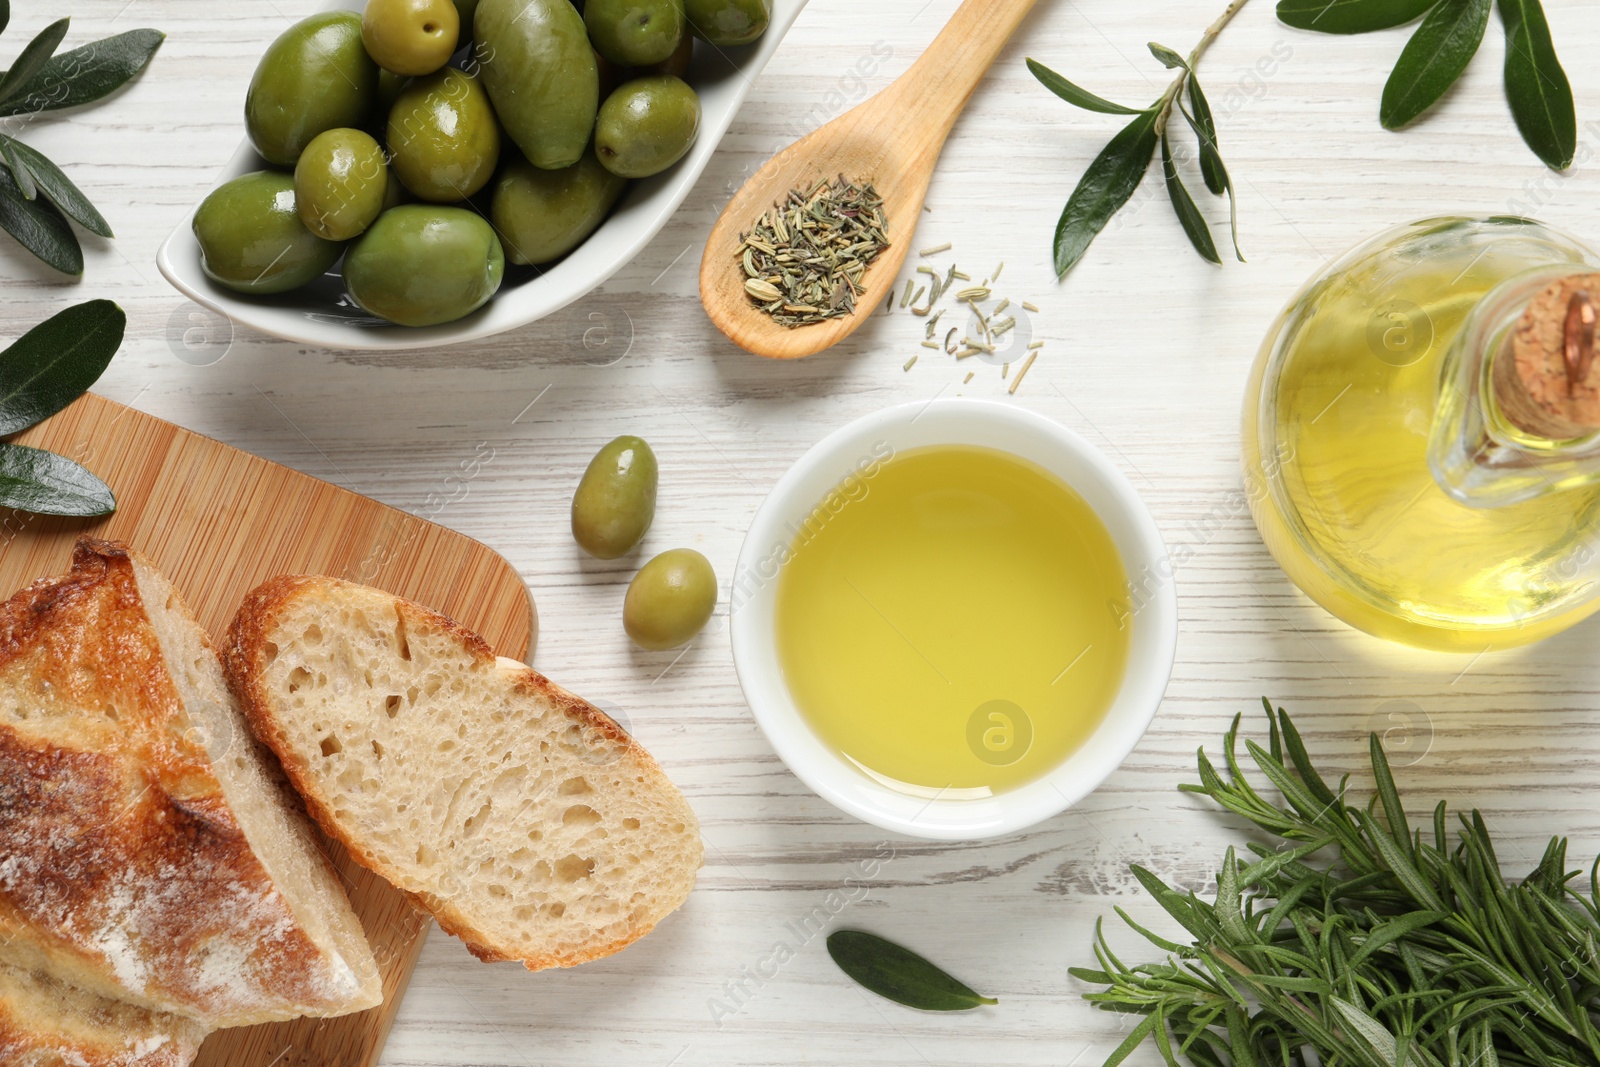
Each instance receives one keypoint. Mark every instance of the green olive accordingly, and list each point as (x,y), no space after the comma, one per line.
(728,22)
(316,76)
(616,500)
(252,240)
(635,33)
(411,37)
(539,69)
(340,184)
(541,215)
(647,125)
(670,600)
(421,264)
(443,138)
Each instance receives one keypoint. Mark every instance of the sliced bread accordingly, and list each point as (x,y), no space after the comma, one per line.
(529,823)
(147,853)
(44,1023)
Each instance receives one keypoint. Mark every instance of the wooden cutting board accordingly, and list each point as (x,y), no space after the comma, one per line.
(219,521)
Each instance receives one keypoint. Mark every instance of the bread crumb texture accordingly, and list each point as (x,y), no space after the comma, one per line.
(529,823)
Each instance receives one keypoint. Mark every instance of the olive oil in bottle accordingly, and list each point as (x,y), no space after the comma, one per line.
(1382,467)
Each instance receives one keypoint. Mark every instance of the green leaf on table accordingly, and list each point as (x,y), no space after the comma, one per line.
(32,59)
(1194,224)
(1106,186)
(84,75)
(1076,96)
(1205,127)
(1433,59)
(1537,86)
(19,168)
(39,228)
(44,483)
(57,186)
(1350,16)
(1169,59)
(52,364)
(899,974)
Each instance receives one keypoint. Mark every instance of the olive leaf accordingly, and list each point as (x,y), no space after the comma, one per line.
(56,185)
(1106,186)
(42,80)
(52,364)
(1194,223)
(1076,96)
(83,75)
(38,227)
(1115,174)
(1350,16)
(1436,55)
(32,479)
(898,974)
(1433,59)
(1537,86)
(32,59)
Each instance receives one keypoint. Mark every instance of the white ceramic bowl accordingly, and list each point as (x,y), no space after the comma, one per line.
(323,315)
(942,422)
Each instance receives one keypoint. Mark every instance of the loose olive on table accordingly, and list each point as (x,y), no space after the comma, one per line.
(647,125)
(616,500)
(369,112)
(670,600)
(340,184)
(422,264)
(252,240)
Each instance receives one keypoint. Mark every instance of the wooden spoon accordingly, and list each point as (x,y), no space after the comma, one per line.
(893,141)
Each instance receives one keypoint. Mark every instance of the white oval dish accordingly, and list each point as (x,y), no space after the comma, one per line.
(839,456)
(323,315)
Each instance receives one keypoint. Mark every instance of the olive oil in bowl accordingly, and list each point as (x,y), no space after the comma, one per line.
(956,628)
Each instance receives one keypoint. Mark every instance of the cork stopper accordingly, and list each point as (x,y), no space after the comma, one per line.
(1550,384)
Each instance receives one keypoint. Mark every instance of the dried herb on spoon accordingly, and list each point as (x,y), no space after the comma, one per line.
(48,368)
(1360,940)
(36,197)
(804,259)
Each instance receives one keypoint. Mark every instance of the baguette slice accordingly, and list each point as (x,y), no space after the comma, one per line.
(531,825)
(146,852)
(46,1024)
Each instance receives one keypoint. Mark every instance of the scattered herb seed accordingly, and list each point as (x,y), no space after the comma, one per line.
(814,249)
(910,363)
(971,374)
(900,975)
(1035,344)
(996,275)
(1026,306)
(1022,372)
(936,249)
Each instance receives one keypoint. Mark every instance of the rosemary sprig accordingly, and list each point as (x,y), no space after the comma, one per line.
(1116,173)
(36,198)
(1400,952)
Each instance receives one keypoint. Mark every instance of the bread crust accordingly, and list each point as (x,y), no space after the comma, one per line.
(122,867)
(245,656)
(44,1023)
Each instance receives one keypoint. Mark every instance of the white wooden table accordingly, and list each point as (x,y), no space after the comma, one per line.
(1147,352)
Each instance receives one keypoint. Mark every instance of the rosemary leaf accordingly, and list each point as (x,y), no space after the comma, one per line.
(1433,59)
(1537,86)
